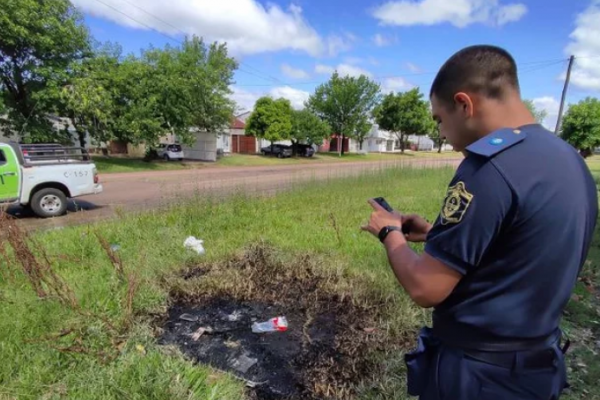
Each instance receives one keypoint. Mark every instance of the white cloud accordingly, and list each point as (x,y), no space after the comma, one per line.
(294,73)
(585,45)
(246,25)
(459,13)
(382,41)
(413,68)
(337,44)
(551,106)
(295,96)
(342,69)
(246,99)
(395,84)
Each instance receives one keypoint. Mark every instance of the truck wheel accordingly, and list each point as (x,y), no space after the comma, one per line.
(49,202)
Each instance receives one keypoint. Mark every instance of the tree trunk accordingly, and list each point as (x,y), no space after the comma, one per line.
(402,143)
(342,144)
(294,148)
(360,143)
(440,144)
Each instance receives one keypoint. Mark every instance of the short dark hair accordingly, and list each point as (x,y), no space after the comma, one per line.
(483,69)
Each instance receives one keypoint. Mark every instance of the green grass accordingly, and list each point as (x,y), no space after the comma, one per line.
(125,164)
(152,246)
(297,222)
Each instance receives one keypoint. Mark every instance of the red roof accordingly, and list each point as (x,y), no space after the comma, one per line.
(237,124)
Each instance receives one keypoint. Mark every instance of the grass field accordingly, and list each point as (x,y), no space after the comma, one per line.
(121,164)
(105,347)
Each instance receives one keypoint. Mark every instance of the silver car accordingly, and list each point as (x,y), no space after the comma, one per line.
(170,151)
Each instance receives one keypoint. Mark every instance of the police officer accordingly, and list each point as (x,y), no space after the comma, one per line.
(503,256)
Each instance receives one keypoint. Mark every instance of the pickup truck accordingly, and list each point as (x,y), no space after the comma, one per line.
(43,177)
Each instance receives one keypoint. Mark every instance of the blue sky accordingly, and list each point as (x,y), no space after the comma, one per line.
(287,48)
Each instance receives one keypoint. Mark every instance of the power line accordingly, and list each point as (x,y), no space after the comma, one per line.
(169,36)
(533,66)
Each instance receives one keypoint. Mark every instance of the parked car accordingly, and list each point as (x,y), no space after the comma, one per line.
(170,152)
(305,150)
(278,150)
(43,177)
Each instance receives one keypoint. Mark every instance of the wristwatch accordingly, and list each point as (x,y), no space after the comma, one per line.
(386,231)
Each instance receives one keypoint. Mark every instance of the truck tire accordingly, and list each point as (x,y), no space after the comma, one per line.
(49,202)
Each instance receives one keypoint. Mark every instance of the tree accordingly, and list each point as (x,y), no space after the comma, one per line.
(176,90)
(436,137)
(405,114)
(343,102)
(539,115)
(581,126)
(308,128)
(271,120)
(39,41)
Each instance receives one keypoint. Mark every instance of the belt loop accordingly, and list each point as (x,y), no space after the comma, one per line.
(518,363)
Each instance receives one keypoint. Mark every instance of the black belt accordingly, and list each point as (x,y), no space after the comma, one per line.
(456,335)
(530,360)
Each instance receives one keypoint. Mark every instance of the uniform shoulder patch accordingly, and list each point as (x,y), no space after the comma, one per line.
(456,203)
(496,142)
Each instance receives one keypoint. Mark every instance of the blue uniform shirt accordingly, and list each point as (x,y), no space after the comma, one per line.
(517,223)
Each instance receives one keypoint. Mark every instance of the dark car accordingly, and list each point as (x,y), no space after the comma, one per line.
(305,150)
(278,150)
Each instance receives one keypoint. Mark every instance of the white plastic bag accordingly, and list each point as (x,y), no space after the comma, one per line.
(194,244)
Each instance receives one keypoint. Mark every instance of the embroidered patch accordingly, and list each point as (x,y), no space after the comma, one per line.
(456,203)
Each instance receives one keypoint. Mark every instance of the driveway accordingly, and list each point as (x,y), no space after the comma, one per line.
(127,192)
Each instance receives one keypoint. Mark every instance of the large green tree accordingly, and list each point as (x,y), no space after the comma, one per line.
(308,128)
(39,40)
(344,102)
(581,126)
(175,90)
(271,119)
(539,114)
(405,114)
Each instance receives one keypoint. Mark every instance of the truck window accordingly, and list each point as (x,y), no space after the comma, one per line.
(2,157)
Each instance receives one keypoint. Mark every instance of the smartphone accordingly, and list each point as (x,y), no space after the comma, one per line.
(381,201)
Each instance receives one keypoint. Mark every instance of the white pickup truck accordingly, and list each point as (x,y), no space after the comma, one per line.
(43,177)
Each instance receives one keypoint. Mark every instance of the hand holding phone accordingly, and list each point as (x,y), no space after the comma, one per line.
(383,203)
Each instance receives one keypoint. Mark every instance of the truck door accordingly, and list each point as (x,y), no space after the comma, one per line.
(9,175)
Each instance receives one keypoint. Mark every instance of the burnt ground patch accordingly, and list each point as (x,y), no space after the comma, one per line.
(337,325)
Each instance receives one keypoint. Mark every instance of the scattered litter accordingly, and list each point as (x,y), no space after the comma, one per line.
(194,244)
(196,335)
(369,330)
(188,317)
(115,247)
(277,324)
(235,316)
(231,345)
(140,348)
(243,363)
(252,384)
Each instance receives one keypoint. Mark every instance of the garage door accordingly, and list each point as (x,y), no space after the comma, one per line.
(243,144)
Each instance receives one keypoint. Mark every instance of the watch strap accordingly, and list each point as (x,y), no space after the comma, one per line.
(385,231)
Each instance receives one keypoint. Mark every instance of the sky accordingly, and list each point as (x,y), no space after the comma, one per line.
(286,49)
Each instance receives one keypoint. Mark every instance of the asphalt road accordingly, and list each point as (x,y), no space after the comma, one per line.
(131,192)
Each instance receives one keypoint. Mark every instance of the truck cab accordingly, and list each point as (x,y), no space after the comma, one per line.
(44,177)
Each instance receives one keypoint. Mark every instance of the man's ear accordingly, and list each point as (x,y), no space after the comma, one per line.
(464,104)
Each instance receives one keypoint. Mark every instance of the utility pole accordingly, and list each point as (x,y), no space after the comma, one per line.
(564,96)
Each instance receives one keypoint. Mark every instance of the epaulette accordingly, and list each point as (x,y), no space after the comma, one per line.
(496,142)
